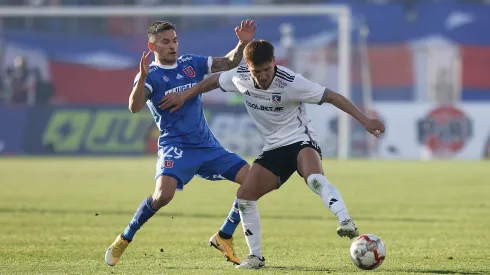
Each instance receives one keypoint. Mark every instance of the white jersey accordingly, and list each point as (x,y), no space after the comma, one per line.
(279,112)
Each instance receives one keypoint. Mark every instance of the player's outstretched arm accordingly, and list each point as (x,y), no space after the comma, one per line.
(139,94)
(373,126)
(176,100)
(245,33)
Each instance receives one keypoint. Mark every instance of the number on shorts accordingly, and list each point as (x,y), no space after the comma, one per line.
(168,152)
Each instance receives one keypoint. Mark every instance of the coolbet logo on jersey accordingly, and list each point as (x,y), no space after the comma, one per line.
(180,89)
(264,108)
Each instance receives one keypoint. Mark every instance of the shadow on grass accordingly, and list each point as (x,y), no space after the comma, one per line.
(298,268)
(444,272)
(191,268)
(208,215)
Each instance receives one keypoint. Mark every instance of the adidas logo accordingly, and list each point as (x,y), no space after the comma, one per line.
(179,76)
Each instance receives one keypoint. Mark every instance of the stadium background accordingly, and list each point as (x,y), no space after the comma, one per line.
(75,163)
(428,61)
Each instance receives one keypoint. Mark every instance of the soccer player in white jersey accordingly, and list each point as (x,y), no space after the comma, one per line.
(275,98)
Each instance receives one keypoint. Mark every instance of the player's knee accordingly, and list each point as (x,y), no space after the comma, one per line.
(162,198)
(242,173)
(242,193)
(245,193)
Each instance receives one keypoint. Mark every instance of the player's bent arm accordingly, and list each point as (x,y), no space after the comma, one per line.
(139,95)
(230,61)
(174,101)
(204,86)
(345,105)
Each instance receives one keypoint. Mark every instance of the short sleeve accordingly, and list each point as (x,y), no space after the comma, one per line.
(306,91)
(202,63)
(148,83)
(225,81)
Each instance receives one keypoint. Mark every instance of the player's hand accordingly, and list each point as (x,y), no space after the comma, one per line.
(375,127)
(145,64)
(174,100)
(246,31)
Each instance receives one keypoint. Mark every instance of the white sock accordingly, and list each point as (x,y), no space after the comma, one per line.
(251,225)
(330,195)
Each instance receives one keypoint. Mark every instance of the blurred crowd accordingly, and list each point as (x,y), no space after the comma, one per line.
(128,26)
(21,82)
(120,25)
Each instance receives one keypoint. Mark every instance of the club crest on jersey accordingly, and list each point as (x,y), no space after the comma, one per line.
(189,71)
(165,78)
(276,98)
(169,163)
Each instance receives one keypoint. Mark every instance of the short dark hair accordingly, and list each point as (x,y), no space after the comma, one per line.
(259,52)
(157,27)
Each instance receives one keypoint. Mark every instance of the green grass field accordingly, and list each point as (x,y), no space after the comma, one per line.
(58,215)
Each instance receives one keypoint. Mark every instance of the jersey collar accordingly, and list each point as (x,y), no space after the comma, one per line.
(257,86)
(173,66)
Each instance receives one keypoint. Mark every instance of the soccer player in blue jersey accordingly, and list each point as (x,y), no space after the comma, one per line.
(186,146)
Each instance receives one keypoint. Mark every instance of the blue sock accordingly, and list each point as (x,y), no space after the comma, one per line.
(231,222)
(144,212)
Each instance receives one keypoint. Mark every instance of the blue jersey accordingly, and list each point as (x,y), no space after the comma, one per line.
(186,126)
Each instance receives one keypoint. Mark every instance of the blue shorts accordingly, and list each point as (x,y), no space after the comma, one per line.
(211,163)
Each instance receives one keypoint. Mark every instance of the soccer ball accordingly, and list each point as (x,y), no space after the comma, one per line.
(367,251)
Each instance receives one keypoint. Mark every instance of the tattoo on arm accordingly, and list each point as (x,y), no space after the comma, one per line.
(231,60)
(220,64)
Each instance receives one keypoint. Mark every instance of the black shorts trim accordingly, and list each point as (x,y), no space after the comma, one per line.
(283,161)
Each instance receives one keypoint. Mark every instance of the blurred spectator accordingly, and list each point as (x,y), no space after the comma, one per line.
(45,90)
(4,93)
(486,149)
(137,25)
(21,82)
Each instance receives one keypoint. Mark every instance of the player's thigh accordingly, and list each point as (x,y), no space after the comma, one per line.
(178,163)
(309,159)
(280,161)
(258,182)
(223,164)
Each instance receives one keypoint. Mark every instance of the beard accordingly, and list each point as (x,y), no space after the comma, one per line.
(167,59)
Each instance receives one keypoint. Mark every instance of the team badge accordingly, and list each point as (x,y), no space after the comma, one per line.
(165,78)
(276,98)
(169,163)
(189,71)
